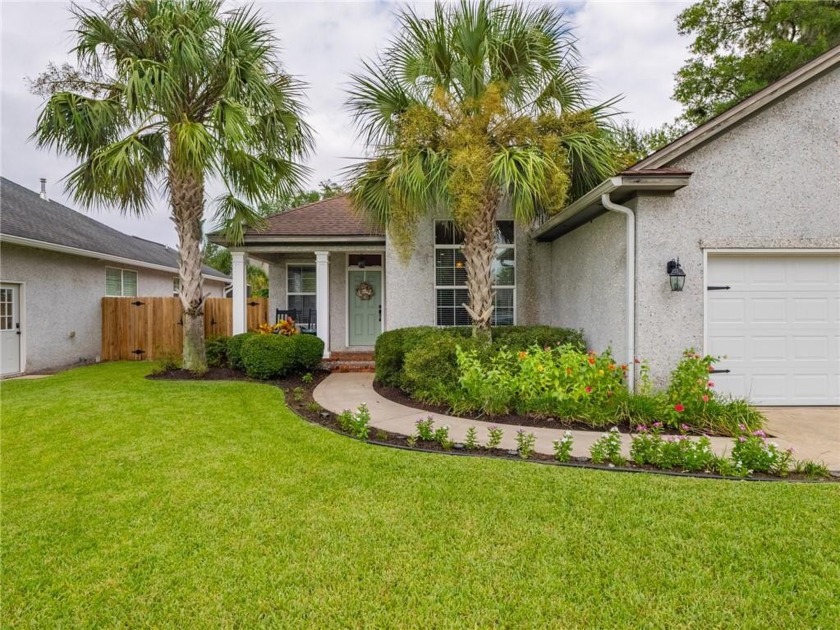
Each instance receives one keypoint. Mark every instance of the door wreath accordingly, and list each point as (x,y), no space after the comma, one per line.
(364,291)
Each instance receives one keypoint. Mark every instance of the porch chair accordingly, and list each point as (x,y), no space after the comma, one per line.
(310,326)
(283,314)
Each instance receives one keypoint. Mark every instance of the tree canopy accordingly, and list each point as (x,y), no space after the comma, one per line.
(165,95)
(741,46)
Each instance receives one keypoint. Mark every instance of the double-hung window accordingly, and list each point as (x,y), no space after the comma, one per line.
(300,290)
(451,276)
(120,282)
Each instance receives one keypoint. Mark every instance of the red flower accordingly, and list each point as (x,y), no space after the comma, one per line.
(711,384)
(588,389)
(705,398)
(679,408)
(591,360)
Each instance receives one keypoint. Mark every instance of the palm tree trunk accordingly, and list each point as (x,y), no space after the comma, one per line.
(187,199)
(479,252)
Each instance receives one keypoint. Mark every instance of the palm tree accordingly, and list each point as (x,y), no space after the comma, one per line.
(477,106)
(173,94)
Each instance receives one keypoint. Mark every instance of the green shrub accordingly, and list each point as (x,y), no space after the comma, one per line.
(216,349)
(234,350)
(268,356)
(393,346)
(430,370)
(309,351)
(523,337)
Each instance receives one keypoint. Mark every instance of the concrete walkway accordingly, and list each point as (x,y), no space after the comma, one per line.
(812,440)
(338,392)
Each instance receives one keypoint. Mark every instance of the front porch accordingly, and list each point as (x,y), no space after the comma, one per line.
(326,269)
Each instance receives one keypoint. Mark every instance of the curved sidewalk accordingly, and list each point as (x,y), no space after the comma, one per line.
(338,392)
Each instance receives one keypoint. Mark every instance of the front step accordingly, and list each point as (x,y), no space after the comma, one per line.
(349,362)
(351,356)
(349,366)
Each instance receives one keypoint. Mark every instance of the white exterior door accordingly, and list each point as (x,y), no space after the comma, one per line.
(10,328)
(777,325)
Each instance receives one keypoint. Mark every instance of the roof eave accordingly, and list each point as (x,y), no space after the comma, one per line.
(75,251)
(589,207)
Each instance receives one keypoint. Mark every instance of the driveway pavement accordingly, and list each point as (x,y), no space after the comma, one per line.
(813,432)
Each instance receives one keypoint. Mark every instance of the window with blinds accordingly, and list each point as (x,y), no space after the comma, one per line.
(300,290)
(451,276)
(120,282)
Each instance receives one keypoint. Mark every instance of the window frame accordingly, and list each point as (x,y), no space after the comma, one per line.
(123,272)
(460,246)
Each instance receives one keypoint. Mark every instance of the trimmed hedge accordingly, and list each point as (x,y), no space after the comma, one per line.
(269,356)
(393,346)
(430,369)
(234,350)
(309,351)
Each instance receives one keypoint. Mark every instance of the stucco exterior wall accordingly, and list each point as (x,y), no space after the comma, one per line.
(772,182)
(588,283)
(62,301)
(410,286)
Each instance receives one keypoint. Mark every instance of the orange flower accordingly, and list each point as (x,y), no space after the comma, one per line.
(591,360)
(522,355)
(611,367)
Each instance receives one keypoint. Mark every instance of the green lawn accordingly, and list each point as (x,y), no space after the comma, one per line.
(134,503)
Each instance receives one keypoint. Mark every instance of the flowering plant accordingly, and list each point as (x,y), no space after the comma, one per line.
(753,451)
(607,449)
(525,444)
(563,448)
(690,389)
(285,327)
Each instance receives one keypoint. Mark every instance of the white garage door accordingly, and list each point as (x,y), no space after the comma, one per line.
(778,325)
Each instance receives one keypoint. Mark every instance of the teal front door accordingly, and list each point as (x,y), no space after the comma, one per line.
(365,308)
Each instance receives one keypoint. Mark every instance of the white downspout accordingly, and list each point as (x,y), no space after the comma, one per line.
(631,286)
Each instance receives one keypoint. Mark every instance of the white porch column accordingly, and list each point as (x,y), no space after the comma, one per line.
(239,274)
(322,298)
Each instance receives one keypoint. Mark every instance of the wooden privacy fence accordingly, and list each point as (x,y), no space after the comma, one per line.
(138,328)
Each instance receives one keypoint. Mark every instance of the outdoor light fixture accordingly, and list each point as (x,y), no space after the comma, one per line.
(676,275)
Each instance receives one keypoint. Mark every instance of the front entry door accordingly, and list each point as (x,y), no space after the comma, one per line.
(365,308)
(9,328)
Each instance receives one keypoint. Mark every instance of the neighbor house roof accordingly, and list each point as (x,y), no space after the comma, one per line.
(27,219)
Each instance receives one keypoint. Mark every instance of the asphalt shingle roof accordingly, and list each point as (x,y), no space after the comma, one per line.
(24,214)
(329,217)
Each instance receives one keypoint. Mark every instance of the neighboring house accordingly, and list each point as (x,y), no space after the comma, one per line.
(747,202)
(55,266)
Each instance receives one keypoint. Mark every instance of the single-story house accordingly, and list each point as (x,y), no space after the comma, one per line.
(55,266)
(746,204)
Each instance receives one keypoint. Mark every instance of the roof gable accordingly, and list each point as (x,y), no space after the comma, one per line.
(334,217)
(720,124)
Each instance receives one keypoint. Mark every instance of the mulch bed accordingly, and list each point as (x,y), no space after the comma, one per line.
(299,399)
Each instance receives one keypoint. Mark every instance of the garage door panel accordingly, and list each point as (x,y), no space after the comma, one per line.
(810,310)
(810,386)
(731,347)
(768,310)
(728,311)
(769,348)
(778,327)
(810,348)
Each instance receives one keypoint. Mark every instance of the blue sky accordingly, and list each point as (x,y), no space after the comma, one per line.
(630,47)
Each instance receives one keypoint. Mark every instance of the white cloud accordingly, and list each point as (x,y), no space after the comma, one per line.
(631,48)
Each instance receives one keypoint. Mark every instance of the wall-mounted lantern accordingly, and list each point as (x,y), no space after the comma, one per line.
(676,275)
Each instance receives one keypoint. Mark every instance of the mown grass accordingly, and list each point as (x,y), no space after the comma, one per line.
(136,503)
